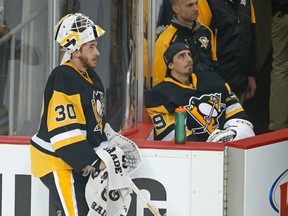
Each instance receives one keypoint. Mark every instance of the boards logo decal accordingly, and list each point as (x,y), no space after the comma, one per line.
(278,194)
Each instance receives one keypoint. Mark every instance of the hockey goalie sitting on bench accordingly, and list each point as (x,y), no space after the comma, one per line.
(214,113)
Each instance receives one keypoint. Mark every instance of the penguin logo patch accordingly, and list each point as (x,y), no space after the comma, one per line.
(206,110)
(243,2)
(204,42)
(98,109)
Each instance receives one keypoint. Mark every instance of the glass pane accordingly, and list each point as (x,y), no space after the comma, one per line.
(23,71)
(26,55)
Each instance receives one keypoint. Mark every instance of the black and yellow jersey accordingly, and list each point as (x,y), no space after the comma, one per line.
(208,102)
(72,121)
(200,40)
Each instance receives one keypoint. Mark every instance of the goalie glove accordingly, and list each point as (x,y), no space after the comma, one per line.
(222,136)
(129,148)
(243,128)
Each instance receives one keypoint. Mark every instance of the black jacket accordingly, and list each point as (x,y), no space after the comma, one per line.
(233,24)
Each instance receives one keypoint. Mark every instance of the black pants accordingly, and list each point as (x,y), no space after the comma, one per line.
(67,193)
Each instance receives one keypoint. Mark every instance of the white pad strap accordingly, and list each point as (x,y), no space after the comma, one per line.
(221,136)
(66,57)
(243,128)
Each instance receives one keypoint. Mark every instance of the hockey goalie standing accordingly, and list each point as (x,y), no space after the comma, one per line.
(214,113)
(72,142)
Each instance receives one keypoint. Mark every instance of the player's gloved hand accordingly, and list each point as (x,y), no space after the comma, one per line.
(222,136)
(97,165)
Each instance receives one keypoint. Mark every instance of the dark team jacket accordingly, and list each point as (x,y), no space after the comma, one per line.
(200,40)
(72,121)
(233,24)
(208,102)
(279,6)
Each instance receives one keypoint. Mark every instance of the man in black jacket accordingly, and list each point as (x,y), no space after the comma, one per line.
(233,24)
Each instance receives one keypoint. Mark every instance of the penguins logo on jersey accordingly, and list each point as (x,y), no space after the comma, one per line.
(206,110)
(98,108)
(204,42)
(243,2)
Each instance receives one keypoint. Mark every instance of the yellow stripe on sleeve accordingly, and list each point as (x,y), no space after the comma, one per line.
(235,111)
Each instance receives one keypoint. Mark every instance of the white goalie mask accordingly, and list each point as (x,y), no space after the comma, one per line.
(73,30)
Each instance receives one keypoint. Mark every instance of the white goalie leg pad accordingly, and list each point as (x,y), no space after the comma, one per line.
(243,128)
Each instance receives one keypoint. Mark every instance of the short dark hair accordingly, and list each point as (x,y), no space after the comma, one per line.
(171,51)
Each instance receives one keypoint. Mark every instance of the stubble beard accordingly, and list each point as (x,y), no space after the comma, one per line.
(85,62)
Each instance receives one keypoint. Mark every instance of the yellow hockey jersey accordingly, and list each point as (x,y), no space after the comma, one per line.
(72,121)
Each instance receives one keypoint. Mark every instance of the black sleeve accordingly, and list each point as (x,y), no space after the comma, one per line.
(78,155)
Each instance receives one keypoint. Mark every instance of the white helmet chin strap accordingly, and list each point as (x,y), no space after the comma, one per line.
(66,57)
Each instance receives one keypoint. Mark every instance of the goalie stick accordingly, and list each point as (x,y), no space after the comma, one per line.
(149,205)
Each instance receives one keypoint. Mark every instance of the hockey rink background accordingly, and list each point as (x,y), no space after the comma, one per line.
(190,179)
